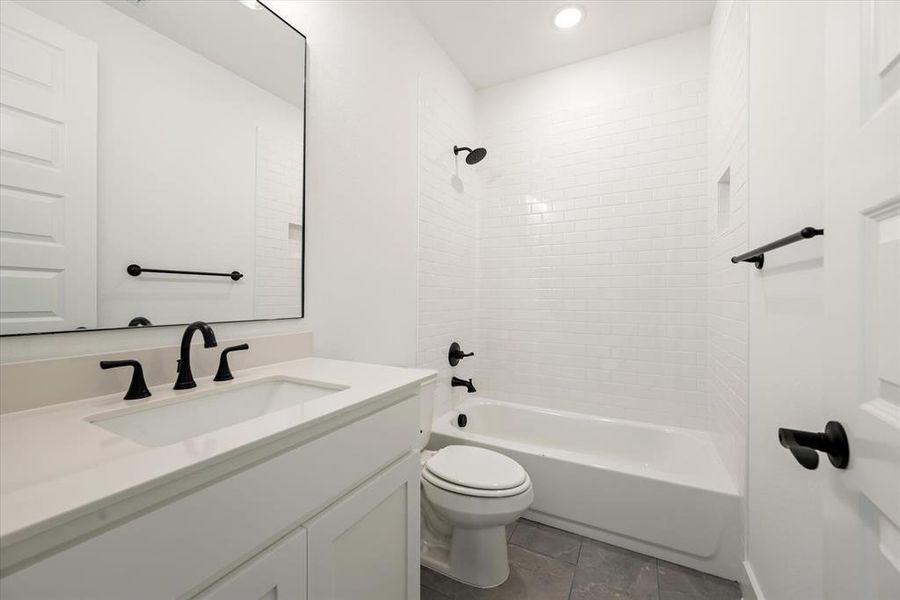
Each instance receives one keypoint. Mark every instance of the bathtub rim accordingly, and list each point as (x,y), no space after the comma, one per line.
(443,425)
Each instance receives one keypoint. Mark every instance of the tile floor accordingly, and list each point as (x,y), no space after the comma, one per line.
(549,564)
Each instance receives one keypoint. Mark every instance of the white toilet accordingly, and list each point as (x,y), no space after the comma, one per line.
(469,496)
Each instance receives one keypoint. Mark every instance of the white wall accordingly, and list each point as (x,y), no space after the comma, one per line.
(786,522)
(177,170)
(592,259)
(448,227)
(361,190)
(727,283)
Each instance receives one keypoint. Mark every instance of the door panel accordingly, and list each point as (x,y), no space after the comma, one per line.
(862,277)
(48,175)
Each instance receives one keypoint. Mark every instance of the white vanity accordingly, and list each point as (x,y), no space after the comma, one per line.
(296,480)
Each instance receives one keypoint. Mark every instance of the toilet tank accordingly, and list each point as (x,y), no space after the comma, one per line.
(426,413)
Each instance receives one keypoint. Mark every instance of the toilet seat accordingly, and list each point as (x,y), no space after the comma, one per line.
(474,492)
(477,472)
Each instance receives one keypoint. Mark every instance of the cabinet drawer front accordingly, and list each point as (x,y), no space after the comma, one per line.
(181,547)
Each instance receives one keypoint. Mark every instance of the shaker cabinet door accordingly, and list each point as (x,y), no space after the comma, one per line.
(278,573)
(366,545)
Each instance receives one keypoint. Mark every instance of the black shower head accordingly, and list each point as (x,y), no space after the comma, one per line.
(475,156)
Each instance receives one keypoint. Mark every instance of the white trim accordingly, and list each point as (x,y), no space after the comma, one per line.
(750,584)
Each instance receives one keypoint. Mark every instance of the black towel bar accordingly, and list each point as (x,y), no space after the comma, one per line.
(135,270)
(757,256)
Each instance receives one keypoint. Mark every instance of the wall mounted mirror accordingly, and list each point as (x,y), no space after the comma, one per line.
(152,164)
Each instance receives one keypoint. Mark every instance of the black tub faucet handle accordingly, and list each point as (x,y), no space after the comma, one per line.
(456,354)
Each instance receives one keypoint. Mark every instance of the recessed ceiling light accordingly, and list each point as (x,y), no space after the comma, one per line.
(568,17)
(251,4)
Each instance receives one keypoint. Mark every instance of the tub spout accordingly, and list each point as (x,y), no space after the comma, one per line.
(457,382)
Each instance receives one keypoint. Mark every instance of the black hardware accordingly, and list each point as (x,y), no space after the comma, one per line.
(473,156)
(757,256)
(224,372)
(185,379)
(457,382)
(462,420)
(138,387)
(456,354)
(804,444)
(135,270)
(139,322)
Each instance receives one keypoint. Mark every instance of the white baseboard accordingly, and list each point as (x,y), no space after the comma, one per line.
(750,585)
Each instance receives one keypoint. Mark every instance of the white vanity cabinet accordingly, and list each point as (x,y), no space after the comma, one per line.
(278,572)
(335,517)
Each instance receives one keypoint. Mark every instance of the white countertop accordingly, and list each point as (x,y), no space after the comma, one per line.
(55,465)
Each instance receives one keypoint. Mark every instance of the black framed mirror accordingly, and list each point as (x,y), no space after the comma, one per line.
(153,160)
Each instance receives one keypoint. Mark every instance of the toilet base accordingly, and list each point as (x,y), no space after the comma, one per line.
(476,557)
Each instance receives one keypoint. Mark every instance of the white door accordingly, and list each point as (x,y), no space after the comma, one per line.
(367,544)
(862,295)
(48,175)
(278,573)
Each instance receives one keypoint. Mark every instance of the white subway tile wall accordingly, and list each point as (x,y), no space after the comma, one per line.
(279,224)
(727,283)
(593,258)
(448,224)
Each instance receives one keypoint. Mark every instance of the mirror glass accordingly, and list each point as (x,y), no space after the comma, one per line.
(142,136)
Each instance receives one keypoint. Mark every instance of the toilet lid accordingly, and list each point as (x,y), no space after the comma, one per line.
(476,468)
(472,492)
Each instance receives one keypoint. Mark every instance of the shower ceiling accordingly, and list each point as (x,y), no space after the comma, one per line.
(497,40)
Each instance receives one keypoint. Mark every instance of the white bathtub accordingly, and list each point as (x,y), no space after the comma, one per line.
(658,490)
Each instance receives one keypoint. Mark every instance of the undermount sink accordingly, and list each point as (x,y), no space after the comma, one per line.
(183,418)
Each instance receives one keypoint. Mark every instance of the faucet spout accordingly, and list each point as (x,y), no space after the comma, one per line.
(457,382)
(185,379)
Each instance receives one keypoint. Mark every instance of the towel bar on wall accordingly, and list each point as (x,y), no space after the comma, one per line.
(135,270)
(758,257)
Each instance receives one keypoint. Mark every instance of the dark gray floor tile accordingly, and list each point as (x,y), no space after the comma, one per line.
(532,576)
(548,541)
(607,572)
(441,583)
(430,594)
(510,529)
(680,583)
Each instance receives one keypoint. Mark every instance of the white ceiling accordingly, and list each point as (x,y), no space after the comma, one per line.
(497,40)
(252,44)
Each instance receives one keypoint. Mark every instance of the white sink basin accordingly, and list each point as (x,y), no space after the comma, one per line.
(183,418)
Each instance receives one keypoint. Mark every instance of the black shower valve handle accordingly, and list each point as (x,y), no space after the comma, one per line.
(456,354)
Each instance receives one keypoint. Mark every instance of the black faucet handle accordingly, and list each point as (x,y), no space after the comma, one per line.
(456,354)
(138,387)
(224,372)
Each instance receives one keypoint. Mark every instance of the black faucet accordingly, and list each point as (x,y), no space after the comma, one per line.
(185,377)
(457,382)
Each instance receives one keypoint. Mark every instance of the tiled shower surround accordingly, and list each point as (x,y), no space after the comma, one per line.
(448,242)
(592,270)
(578,259)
